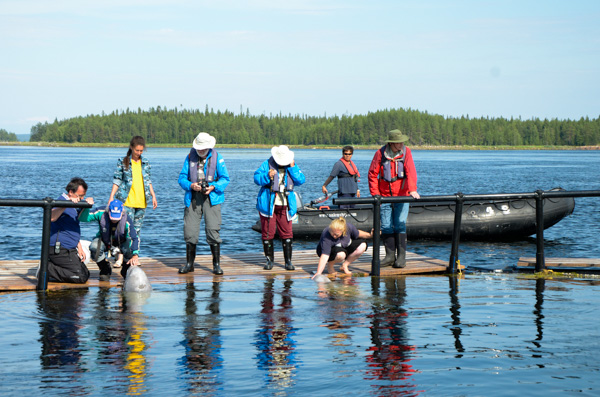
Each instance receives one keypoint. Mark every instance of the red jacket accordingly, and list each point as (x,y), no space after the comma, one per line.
(400,187)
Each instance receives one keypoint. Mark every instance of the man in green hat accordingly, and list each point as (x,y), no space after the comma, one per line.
(392,173)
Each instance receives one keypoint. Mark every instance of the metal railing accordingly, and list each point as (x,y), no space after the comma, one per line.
(459,199)
(47,204)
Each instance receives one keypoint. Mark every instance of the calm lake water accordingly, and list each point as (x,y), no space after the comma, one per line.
(486,334)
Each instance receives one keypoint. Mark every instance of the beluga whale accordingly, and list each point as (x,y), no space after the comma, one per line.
(136,289)
(136,281)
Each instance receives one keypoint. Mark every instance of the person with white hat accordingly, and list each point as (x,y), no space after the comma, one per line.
(204,178)
(276,202)
(393,173)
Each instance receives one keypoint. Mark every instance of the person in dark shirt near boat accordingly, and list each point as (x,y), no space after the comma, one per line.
(347,174)
(204,178)
(116,230)
(66,257)
(276,202)
(341,242)
(393,173)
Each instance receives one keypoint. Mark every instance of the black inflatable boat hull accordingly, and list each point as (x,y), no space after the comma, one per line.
(481,221)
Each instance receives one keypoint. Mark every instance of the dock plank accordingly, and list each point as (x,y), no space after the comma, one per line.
(19,275)
(558,263)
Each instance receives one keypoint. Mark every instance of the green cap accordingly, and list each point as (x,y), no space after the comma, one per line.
(396,136)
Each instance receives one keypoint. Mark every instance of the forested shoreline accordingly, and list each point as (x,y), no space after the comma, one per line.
(173,126)
(6,136)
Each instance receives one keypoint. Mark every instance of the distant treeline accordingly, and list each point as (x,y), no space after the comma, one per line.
(172,126)
(6,136)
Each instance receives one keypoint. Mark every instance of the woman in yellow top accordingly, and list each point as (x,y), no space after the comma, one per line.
(133,186)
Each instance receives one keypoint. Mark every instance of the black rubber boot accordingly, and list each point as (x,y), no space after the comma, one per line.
(400,239)
(124,270)
(287,253)
(190,257)
(105,270)
(215,250)
(390,250)
(269,254)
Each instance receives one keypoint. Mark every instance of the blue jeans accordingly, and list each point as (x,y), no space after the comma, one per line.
(393,218)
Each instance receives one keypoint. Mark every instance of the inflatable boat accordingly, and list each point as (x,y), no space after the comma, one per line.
(481,221)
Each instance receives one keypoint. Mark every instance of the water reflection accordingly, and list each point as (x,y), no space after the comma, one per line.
(123,337)
(202,342)
(61,356)
(388,357)
(274,339)
(136,363)
(340,314)
(540,286)
(456,329)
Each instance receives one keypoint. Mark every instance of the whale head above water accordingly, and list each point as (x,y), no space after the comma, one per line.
(321,279)
(136,280)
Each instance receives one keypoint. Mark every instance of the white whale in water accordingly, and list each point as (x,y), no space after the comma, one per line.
(321,278)
(136,280)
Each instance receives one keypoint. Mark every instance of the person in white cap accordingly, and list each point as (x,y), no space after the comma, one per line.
(276,202)
(204,178)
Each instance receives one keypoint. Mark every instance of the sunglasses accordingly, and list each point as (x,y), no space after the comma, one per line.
(347,154)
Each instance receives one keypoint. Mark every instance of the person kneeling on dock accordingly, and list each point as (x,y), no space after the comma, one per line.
(341,242)
(116,231)
(66,256)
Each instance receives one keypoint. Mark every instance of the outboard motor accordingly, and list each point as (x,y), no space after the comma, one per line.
(299,203)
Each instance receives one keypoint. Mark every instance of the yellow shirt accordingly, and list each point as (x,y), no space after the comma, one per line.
(137,196)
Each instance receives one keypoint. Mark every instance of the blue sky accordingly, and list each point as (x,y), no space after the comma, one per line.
(66,58)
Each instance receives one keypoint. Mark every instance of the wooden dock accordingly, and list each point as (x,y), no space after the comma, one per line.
(562,264)
(19,275)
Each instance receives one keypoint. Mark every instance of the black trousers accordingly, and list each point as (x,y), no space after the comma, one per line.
(348,250)
(66,267)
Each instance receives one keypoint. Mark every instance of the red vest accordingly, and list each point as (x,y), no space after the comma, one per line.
(351,167)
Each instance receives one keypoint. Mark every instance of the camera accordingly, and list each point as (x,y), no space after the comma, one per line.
(204,185)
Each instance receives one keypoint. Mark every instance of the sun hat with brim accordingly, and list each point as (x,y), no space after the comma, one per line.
(396,136)
(115,210)
(204,141)
(282,155)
